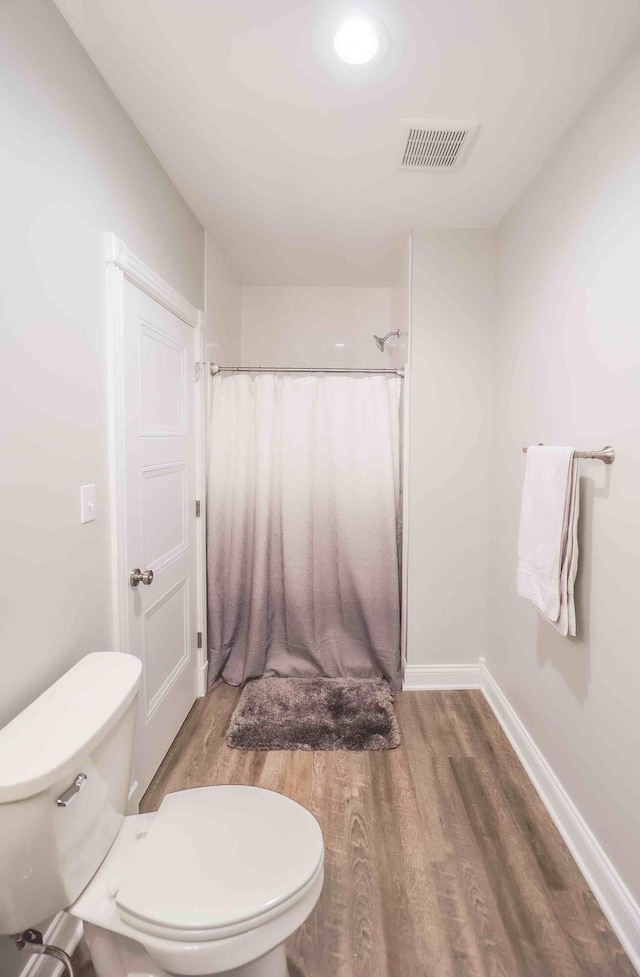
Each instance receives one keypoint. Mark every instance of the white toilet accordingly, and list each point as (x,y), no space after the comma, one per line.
(214,883)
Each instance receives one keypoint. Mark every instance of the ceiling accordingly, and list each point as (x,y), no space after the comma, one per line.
(290,158)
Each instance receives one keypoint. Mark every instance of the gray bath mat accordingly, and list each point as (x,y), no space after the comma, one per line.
(314,714)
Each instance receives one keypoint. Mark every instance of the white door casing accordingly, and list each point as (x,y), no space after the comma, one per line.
(156,471)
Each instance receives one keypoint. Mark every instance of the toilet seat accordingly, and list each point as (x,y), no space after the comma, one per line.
(116,934)
(219,861)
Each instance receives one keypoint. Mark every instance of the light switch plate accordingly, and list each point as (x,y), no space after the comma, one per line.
(87,503)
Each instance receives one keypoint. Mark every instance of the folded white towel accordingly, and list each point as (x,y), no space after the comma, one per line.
(548,539)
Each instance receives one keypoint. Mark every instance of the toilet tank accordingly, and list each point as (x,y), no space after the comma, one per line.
(54,835)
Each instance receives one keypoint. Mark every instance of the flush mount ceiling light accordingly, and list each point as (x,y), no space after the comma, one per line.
(357,41)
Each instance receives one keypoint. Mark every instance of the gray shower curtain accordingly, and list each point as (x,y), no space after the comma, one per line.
(303,517)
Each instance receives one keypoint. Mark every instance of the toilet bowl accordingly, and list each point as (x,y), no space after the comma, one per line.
(213,883)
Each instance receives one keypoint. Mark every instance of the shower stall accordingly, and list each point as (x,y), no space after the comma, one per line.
(304,518)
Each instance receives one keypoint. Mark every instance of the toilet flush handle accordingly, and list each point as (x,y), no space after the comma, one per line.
(70,792)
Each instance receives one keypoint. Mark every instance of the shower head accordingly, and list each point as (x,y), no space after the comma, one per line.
(381,341)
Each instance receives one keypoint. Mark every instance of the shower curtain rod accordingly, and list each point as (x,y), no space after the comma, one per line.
(214,368)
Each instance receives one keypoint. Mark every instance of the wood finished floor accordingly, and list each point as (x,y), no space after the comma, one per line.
(441,860)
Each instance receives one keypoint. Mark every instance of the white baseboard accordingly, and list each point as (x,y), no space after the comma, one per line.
(619,906)
(65,932)
(442,677)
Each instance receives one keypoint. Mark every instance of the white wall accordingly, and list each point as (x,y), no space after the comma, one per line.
(452,325)
(72,168)
(568,372)
(222,320)
(300,326)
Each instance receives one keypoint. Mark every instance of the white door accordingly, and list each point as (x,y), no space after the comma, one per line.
(160,476)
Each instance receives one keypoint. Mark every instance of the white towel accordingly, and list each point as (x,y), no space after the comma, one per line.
(548,539)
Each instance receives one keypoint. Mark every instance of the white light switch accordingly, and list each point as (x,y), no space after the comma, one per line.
(87,503)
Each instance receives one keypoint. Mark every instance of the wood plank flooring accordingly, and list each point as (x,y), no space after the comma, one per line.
(441,860)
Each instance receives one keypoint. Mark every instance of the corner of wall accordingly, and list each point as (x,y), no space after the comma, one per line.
(222,318)
(450,387)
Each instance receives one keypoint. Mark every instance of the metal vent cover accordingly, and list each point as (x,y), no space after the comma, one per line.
(436,145)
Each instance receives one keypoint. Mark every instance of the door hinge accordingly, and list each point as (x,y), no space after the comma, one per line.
(199,639)
(198,371)
(197,508)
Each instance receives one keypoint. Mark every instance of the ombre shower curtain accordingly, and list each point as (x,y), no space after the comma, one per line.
(303,515)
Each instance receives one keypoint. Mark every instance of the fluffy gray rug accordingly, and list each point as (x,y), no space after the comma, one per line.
(314,714)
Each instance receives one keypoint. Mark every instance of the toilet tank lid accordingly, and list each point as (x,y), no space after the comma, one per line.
(65,722)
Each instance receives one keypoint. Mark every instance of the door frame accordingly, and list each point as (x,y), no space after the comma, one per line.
(122,265)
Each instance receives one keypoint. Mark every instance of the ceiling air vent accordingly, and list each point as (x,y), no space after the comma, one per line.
(436,145)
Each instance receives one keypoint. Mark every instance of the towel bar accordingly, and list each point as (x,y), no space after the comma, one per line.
(606,454)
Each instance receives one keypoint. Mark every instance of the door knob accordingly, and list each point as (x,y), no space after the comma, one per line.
(144,576)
